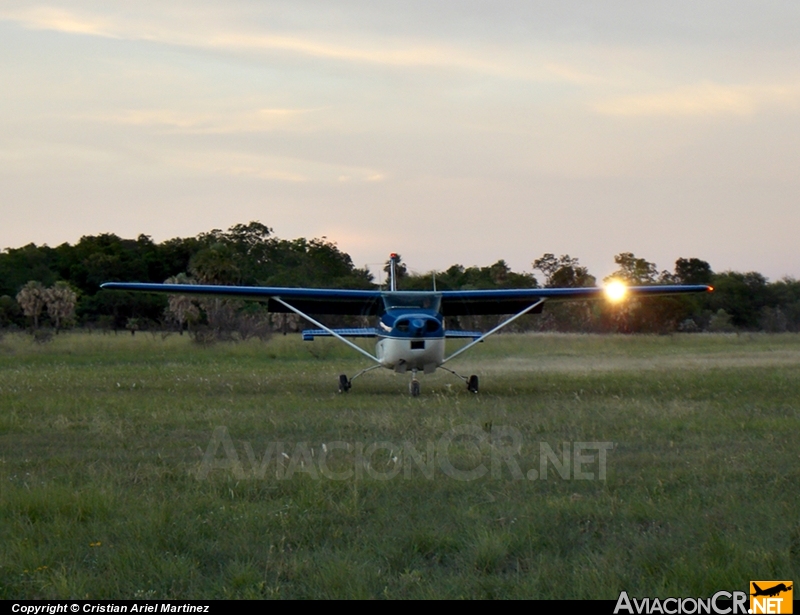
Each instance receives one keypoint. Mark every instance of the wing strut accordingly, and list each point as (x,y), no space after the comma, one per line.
(328,329)
(495,330)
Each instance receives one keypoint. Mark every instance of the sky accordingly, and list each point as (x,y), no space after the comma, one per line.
(450,131)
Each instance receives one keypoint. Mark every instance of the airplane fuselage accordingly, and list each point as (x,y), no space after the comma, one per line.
(418,343)
(411,335)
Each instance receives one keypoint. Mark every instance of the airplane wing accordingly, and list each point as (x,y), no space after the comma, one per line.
(308,300)
(511,301)
(369,302)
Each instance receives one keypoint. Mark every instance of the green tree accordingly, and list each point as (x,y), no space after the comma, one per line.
(563,272)
(566,272)
(30,262)
(252,247)
(693,309)
(693,271)
(742,296)
(9,311)
(215,264)
(642,314)
(634,271)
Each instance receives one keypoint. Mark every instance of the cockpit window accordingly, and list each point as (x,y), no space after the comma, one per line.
(418,300)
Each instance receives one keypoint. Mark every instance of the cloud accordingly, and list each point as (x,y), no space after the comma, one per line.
(702,99)
(275,168)
(227,122)
(392,51)
(571,74)
(385,52)
(59,20)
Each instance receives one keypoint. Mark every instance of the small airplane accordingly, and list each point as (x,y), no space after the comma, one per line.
(771,591)
(410,327)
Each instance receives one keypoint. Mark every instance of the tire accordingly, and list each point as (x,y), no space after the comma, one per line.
(472,385)
(414,388)
(344,384)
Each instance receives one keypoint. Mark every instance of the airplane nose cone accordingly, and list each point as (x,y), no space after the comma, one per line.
(418,325)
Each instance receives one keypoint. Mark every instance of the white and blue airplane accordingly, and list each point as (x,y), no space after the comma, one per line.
(410,327)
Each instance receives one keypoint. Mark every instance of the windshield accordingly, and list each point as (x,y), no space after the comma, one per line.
(418,300)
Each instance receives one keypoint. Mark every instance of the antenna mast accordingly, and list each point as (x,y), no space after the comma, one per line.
(392,272)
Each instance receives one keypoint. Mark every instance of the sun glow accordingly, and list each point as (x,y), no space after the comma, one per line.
(615,290)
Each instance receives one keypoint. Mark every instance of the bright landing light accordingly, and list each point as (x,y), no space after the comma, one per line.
(615,291)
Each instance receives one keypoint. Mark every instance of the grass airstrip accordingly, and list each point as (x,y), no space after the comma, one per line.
(152,468)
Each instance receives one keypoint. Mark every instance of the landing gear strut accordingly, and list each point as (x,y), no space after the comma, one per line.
(414,386)
(472,381)
(346,384)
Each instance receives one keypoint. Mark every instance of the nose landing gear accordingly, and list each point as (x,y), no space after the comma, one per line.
(414,387)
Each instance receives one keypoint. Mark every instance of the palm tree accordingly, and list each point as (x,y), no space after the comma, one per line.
(32,301)
(61,301)
(181,308)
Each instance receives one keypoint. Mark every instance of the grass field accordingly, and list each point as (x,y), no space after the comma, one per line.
(113,477)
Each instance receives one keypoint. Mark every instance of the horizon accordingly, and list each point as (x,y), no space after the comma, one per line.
(379,275)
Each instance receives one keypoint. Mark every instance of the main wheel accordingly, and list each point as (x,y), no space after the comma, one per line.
(344,384)
(414,388)
(472,385)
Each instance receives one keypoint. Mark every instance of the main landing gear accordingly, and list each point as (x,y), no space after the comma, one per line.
(414,387)
(346,384)
(471,382)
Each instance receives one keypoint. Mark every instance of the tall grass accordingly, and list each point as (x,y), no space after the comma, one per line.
(101,439)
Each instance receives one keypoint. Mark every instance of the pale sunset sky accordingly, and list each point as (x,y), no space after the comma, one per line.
(448,131)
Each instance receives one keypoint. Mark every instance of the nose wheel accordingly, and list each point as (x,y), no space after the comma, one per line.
(414,386)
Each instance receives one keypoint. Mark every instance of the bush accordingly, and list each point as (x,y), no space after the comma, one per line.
(773,320)
(42,336)
(721,323)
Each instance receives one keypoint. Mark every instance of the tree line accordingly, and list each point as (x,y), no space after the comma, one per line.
(60,287)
